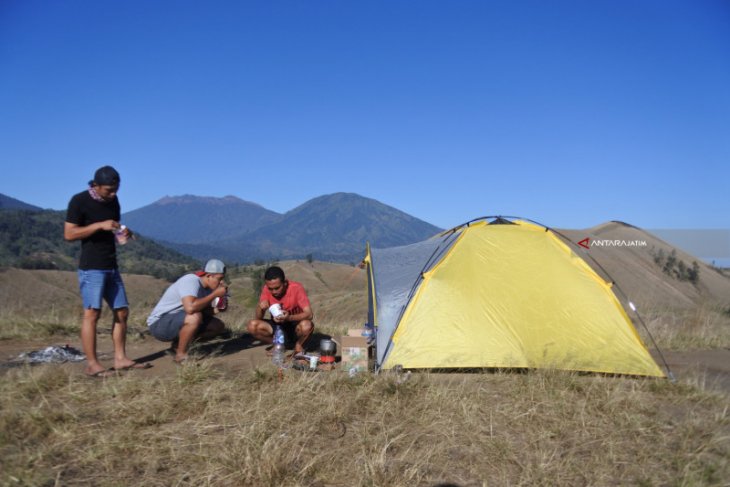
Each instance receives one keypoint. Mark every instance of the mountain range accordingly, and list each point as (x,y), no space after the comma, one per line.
(334,227)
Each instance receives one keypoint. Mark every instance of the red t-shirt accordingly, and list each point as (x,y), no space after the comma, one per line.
(294,299)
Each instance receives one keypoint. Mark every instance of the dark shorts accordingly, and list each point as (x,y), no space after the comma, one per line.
(167,328)
(290,334)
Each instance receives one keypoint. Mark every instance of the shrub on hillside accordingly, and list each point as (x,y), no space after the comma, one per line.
(44,261)
(672,266)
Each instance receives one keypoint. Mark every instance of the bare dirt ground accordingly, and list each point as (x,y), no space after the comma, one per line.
(711,368)
(232,354)
(707,369)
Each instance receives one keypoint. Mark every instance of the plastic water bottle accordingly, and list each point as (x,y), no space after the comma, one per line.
(277,358)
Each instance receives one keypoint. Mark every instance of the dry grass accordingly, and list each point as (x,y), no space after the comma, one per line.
(203,428)
(707,326)
(37,304)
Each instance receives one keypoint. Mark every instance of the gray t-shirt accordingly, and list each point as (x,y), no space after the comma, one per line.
(171,300)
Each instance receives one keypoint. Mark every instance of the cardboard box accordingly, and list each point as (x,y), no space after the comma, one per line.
(355,354)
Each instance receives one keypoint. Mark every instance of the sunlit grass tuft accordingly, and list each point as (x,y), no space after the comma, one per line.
(704,327)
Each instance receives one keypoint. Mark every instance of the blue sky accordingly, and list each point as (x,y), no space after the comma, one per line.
(569,113)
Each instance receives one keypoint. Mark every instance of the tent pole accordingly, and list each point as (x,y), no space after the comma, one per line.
(614,284)
(670,375)
(414,287)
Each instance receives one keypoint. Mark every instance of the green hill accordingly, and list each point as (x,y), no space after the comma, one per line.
(34,240)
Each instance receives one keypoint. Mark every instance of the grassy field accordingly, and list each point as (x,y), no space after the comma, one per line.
(203,427)
(205,424)
(706,326)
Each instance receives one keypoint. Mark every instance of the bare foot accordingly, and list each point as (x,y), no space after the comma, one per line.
(93,369)
(180,359)
(98,372)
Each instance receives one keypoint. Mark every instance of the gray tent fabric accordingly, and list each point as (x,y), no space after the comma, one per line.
(396,271)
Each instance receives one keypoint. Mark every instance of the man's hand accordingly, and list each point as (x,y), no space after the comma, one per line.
(260,310)
(283,317)
(72,232)
(128,233)
(220,291)
(109,225)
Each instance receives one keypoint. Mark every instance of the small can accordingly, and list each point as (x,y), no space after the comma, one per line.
(223,302)
(120,235)
(313,359)
(220,303)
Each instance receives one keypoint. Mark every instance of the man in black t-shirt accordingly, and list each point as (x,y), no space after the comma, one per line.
(93,217)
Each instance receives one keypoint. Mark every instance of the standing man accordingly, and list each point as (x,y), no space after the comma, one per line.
(93,217)
(186,309)
(296,319)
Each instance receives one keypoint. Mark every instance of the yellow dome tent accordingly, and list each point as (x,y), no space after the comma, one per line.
(504,294)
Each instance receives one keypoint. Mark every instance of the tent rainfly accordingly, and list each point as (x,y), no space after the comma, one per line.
(498,294)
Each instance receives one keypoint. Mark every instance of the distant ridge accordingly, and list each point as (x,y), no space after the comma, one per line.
(192,199)
(332,227)
(190,219)
(336,227)
(9,203)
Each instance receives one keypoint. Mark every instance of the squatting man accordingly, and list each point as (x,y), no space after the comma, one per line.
(186,310)
(296,318)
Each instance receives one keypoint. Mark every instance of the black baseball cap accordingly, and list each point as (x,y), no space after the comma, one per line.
(105,176)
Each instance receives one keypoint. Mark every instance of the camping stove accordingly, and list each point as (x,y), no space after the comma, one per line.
(327,351)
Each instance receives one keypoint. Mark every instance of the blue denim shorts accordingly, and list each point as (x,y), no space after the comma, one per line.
(96,285)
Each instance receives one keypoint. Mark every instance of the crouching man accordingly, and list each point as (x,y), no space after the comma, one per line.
(295,318)
(185,310)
